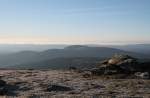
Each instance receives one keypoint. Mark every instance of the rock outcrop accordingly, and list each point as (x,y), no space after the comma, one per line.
(121,64)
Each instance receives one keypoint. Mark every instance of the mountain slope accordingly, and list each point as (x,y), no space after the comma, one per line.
(27,57)
(62,63)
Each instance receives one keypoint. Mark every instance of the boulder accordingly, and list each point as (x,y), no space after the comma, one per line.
(2,87)
(106,70)
(110,72)
(87,74)
(97,71)
(2,83)
(142,75)
(58,88)
(3,91)
(121,59)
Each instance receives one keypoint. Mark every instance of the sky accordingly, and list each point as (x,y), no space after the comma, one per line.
(74,21)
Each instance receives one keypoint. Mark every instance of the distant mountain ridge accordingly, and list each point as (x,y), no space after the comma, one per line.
(138,48)
(11,48)
(75,51)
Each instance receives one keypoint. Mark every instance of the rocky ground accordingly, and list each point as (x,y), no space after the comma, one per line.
(121,76)
(69,83)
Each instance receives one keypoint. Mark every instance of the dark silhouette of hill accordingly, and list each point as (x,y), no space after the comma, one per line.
(75,51)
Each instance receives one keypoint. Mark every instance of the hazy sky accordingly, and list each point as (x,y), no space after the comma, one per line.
(74,21)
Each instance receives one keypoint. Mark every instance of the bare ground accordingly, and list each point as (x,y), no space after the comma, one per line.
(35,83)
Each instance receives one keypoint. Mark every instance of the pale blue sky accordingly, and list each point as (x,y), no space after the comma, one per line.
(75,21)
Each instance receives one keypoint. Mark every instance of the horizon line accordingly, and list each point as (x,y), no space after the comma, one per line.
(72,43)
